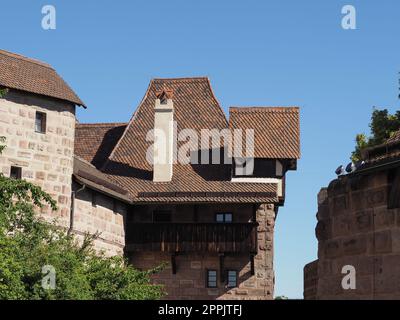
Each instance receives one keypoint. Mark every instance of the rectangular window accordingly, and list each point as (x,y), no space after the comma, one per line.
(232,279)
(161,216)
(16,173)
(224,217)
(40,122)
(211,278)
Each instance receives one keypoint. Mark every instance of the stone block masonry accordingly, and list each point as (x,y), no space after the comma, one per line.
(106,218)
(356,227)
(45,159)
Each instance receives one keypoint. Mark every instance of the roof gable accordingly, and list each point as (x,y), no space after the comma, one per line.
(195,107)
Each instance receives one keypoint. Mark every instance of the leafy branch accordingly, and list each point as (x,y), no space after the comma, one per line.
(383,125)
(3,92)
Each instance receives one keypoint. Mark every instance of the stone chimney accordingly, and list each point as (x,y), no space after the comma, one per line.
(163,136)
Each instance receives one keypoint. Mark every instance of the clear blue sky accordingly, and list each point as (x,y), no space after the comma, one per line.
(272,52)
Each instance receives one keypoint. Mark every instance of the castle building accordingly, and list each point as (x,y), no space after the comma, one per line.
(358,231)
(212,222)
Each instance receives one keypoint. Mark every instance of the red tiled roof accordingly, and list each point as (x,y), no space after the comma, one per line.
(95,141)
(21,73)
(276,130)
(195,107)
(85,173)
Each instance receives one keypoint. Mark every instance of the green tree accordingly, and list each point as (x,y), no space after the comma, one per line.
(28,243)
(3,92)
(383,125)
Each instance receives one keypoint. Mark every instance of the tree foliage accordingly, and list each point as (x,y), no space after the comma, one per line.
(383,125)
(28,243)
(3,92)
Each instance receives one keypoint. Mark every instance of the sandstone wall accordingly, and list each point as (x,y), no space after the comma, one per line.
(189,282)
(355,227)
(46,159)
(311,280)
(107,218)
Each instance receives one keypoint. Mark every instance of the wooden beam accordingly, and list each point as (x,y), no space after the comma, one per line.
(254,218)
(173,263)
(221,268)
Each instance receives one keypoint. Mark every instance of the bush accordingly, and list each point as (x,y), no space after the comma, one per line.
(28,243)
(383,125)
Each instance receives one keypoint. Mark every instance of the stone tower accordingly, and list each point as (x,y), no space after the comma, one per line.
(37,118)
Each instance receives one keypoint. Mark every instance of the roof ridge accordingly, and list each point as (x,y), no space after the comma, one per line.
(249,109)
(203,78)
(21,57)
(104,124)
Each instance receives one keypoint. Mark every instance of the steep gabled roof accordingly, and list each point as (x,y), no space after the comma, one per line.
(95,141)
(21,73)
(195,107)
(276,130)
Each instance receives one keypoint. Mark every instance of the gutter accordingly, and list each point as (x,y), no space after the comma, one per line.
(72,211)
(101,189)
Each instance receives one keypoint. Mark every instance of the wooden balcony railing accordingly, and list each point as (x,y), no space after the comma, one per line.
(192,237)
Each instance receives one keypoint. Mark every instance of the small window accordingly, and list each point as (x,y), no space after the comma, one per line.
(40,122)
(232,279)
(16,173)
(211,278)
(162,216)
(223,217)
